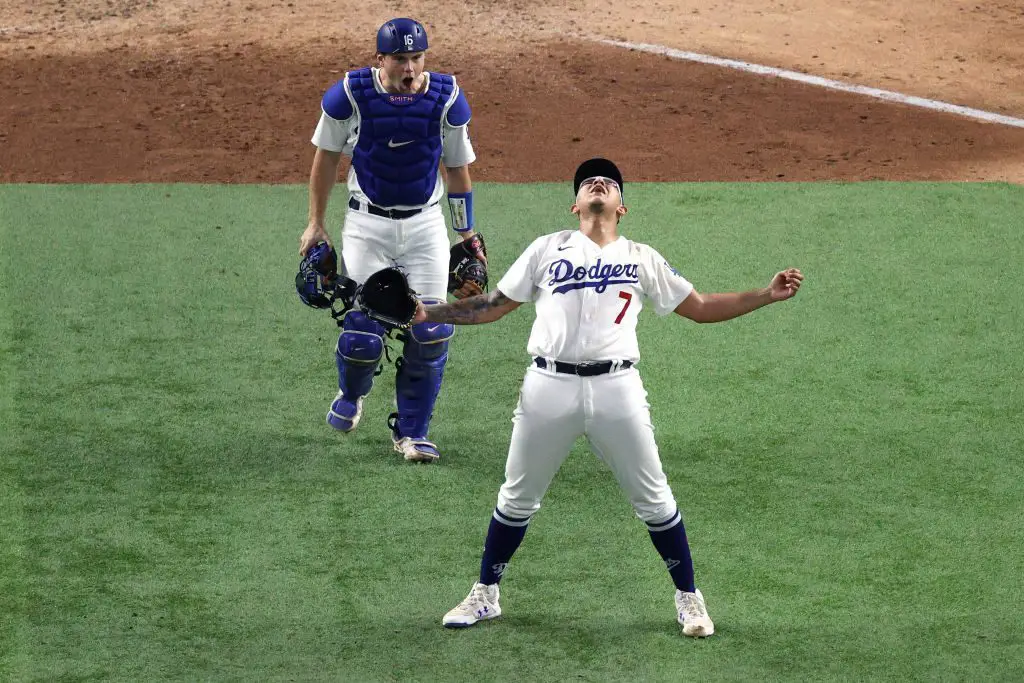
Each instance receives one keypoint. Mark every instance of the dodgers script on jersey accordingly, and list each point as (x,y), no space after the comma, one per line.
(588,298)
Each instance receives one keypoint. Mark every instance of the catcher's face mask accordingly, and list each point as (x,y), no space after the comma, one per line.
(317,276)
(319,284)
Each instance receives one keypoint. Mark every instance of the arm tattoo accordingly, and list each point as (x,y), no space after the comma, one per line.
(473,310)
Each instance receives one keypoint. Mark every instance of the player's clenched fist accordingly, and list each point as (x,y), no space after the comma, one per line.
(785,284)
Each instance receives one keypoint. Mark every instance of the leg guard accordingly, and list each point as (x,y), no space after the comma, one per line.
(360,348)
(419,378)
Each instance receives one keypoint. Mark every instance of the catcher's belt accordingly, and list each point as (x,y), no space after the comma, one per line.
(393,214)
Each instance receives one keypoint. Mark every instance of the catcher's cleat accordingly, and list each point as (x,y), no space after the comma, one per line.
(416,450)
(480,604)
(344,415)
(692,615)
(412,448)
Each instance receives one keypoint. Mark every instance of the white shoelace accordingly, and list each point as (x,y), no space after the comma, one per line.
(477,595)
(692,605)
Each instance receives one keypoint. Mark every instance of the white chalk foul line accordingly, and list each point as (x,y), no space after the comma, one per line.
(887,95)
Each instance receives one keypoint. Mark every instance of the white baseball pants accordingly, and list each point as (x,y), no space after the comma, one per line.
(611,410)
(419,245)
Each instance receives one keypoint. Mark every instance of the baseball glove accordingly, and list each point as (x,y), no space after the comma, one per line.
(467,267)
(387,298)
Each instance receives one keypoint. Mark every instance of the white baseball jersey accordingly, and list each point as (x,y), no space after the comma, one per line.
(587,300)
(337,135)
(588,297)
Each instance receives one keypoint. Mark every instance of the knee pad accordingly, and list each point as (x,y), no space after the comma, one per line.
(360,348)
(427,342)
(361,340)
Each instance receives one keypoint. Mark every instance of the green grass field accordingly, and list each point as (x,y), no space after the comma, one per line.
(173,507)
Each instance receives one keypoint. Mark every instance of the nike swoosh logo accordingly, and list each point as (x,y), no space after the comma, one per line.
(564,248)
(392,144)
(431,329)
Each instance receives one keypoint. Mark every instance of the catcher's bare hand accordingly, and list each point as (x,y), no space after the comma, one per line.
(785,284)
(313,234)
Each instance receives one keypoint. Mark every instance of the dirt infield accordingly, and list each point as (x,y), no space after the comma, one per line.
(145,90)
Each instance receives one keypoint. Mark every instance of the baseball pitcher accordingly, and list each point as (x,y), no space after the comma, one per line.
(588,286)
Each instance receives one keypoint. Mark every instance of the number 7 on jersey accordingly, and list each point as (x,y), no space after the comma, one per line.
(628,297)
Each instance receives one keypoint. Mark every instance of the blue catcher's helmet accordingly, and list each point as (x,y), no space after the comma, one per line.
(401,35)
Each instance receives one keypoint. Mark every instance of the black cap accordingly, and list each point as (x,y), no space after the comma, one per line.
(596,167)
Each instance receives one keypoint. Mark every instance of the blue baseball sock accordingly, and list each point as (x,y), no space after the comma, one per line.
(669,537)
(503,538)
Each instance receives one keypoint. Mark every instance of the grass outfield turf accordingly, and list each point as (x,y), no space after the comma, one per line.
(849,463)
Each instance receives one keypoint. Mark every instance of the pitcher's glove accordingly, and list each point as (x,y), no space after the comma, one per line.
(467,267)
(387,298)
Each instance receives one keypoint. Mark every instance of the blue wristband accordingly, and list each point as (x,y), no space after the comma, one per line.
(461,205)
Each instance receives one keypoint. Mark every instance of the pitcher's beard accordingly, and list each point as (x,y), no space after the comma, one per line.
(596,206)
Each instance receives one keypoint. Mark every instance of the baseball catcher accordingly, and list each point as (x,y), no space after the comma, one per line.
(401,125)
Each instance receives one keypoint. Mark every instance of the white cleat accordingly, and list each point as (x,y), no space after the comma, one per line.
(480,604)
(416,450)
(693,615)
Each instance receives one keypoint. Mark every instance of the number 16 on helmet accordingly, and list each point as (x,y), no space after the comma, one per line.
(401,35)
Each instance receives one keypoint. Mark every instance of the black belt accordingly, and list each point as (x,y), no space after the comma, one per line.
(393,214)
(584,369)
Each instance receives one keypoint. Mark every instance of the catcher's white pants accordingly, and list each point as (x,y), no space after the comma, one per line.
(419,245)
(611,410)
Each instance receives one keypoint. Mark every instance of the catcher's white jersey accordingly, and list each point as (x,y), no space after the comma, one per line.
(588,297)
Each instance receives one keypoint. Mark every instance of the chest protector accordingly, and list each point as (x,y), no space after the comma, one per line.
(399,144)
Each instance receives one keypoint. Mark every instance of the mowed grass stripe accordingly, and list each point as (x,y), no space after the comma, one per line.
(847,462)
(13,593)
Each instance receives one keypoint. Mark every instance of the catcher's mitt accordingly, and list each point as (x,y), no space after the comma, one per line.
(467,267)
(387,298)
